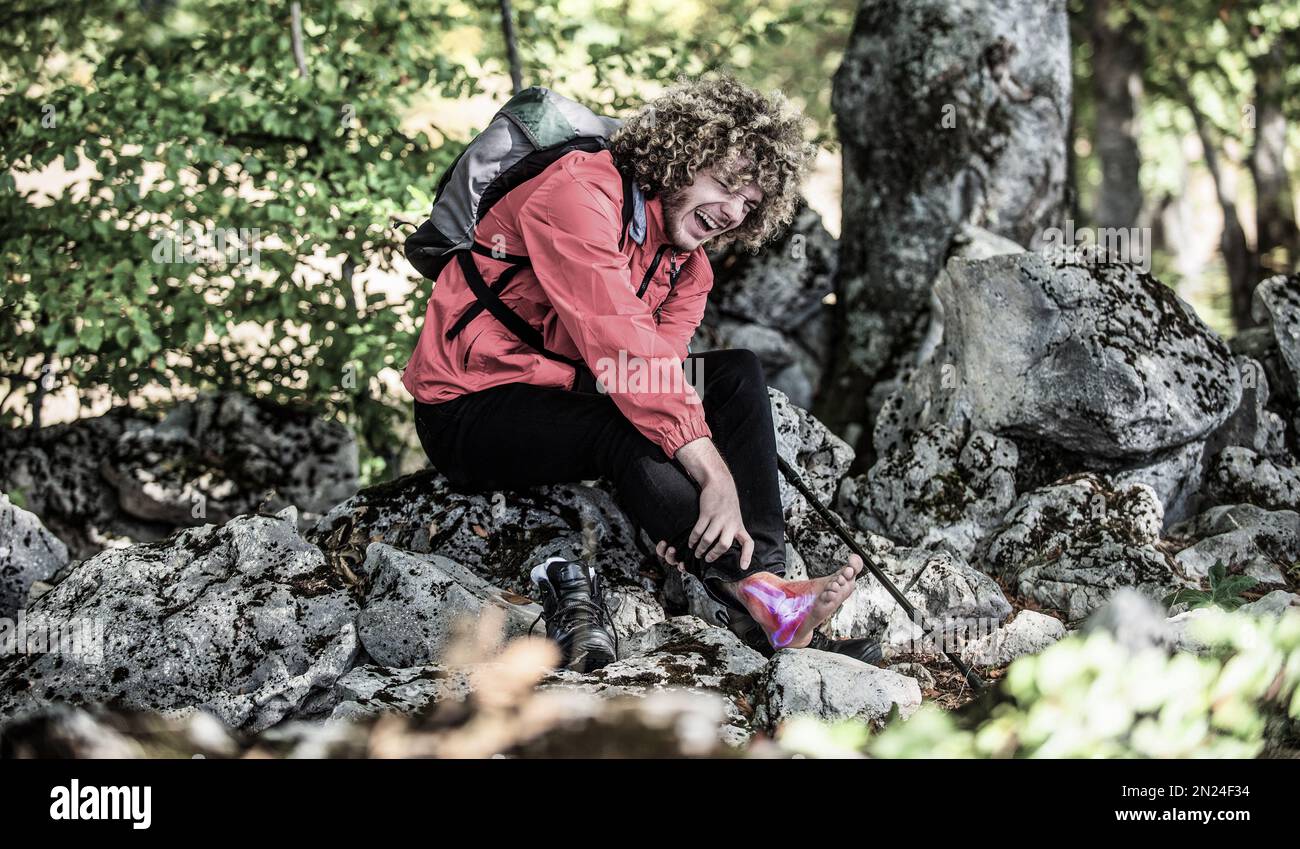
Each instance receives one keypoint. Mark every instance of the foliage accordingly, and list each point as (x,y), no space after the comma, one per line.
(1200,47)
(181,122)
(613,53)
(191,118)
(1225,590)
(1088,696)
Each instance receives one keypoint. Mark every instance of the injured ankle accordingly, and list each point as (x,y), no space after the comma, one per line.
(789,611)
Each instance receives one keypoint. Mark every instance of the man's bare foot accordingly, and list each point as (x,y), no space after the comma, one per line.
(789,611)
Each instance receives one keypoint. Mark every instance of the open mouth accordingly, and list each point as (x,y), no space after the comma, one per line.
(707,223)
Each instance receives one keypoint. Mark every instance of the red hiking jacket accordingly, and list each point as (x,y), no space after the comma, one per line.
(580,292)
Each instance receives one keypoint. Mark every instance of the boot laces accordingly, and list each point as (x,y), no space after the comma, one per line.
(570,614)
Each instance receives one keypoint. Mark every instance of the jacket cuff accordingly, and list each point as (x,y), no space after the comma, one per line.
(689,431)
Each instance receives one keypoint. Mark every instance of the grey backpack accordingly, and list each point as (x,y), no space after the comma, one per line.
(534,129)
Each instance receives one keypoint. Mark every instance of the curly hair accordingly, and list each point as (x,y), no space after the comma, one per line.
(721,123)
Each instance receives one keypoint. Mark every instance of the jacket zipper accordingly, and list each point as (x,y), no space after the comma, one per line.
(650,272)
(673,270)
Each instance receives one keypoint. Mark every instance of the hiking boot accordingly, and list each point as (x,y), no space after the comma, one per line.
(573,605)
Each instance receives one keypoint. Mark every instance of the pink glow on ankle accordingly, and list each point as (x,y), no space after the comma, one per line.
(786,609)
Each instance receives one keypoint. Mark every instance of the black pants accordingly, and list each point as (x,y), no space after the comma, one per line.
(519,435)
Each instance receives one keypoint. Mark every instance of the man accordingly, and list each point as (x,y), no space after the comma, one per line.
(709,162)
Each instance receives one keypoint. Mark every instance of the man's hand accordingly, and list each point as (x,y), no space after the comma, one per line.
(668,555)
(720,522)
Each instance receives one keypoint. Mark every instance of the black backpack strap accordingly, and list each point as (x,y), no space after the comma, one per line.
(472,312)
(494,253)
(489,298)
(629,208)
(516,262)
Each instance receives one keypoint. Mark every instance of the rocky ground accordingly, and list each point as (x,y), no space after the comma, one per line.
(1075,430)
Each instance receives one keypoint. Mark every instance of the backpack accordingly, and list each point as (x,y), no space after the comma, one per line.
(530,132)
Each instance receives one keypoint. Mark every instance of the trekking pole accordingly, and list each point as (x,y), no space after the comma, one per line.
(837,525)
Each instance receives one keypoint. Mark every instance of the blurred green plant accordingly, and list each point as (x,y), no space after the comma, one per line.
(1089,697)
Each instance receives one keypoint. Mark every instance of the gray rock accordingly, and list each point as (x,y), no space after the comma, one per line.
(314,741)
(1276,304)
(971,242)
(245,621)
(783,285)
(1262,542)
(66,731)
(686,592)
(497,535)
(672,722)
(57,473)
(414,604)
(1183,626)
(28,553)
(949,114)
(1274,604)
(788,365)
(1175,476)
(1134,620)
(1238,475)
(633,610)
(830,686)
(370,690)
(1252,425)
(127,477)
(938,492)
(773,348)
(556,724)
(821,459)
(226,454)
(1181,630)
(1029,632)
(682,653)
(798,381)
(1097,360)
(951,597)
(1070,545)
(924,677)
(690,633)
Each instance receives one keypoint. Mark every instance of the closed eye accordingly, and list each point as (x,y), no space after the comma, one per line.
(750,205)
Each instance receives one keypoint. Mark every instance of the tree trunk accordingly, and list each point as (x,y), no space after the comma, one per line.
(1241,263)
(1277,238)
(948,114)
(295,38)
(512,47)
(1117,61)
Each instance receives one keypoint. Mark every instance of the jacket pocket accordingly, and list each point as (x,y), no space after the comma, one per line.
(469,349)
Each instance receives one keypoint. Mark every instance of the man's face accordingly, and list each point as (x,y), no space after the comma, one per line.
(707,208)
